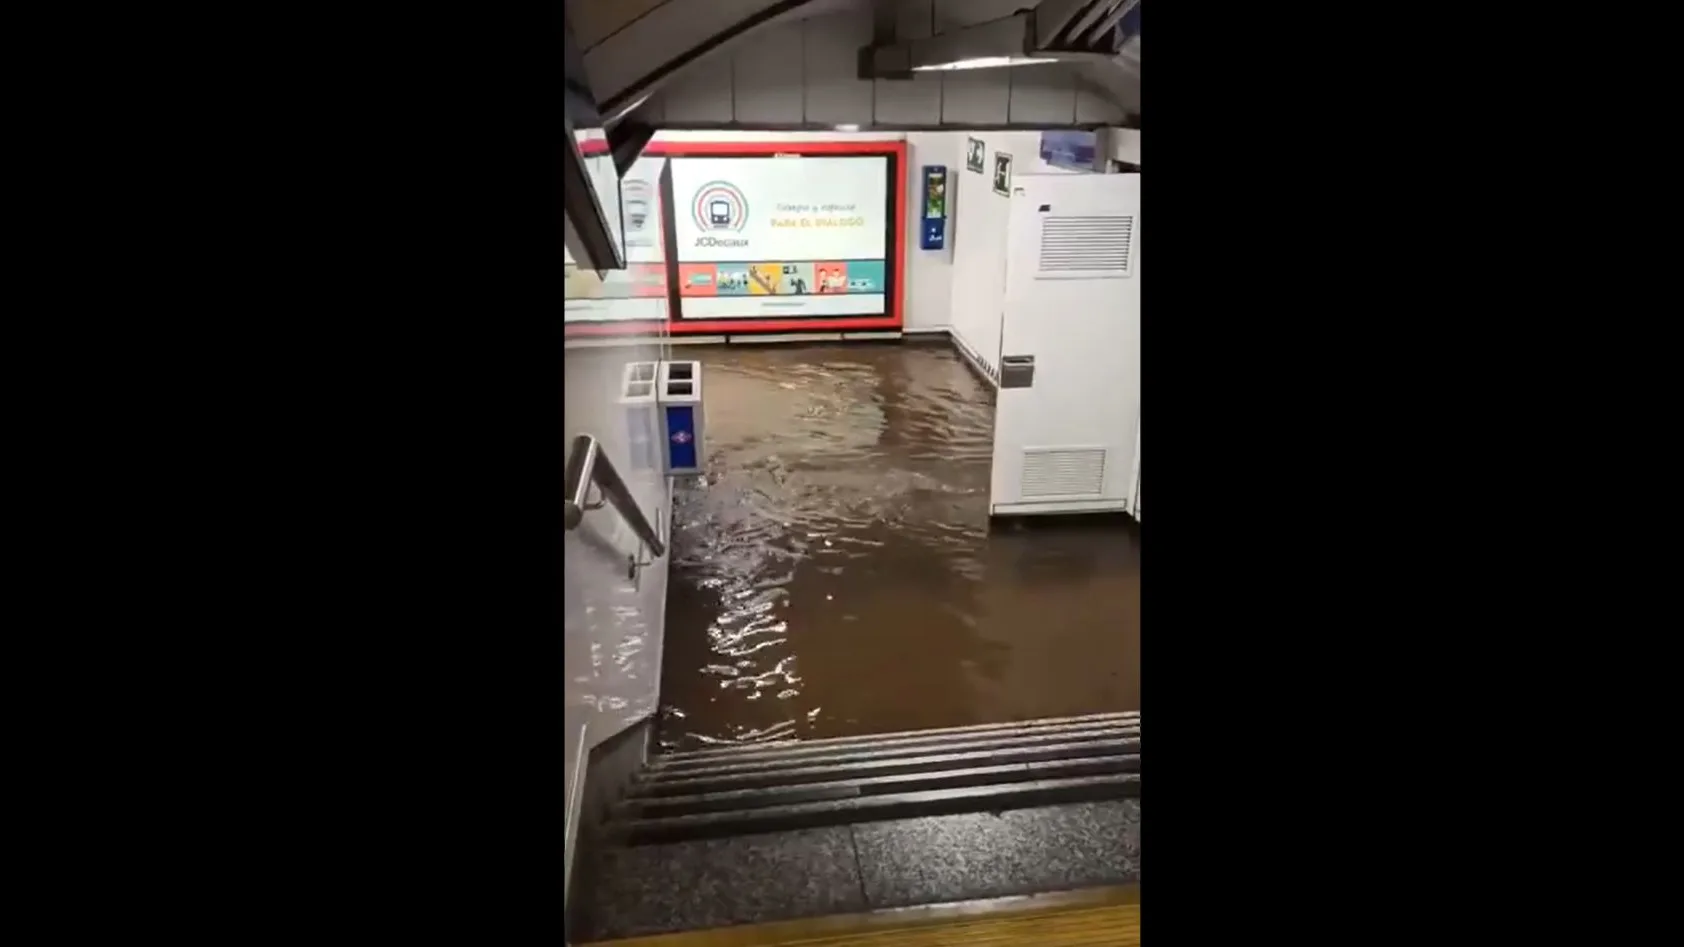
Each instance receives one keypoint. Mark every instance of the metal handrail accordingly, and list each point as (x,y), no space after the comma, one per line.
(587,464)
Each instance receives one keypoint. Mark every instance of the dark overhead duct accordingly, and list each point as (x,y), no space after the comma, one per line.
(1124,18)
(1070,34)
(1007,41)
(1081,32)
(634,61)
(1088,25)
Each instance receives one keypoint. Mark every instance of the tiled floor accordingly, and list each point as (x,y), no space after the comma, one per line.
(779,876)
(983,855)
(718,882)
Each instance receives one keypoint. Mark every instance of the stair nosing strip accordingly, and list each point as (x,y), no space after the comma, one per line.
(1122,746)
(865,803)
(815,750)
(772,763)
(1038,723)
(1050,772)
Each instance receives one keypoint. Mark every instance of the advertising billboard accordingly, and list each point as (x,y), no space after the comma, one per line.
(753,236)
(781,237)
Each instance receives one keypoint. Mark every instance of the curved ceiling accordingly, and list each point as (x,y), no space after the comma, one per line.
(632,48)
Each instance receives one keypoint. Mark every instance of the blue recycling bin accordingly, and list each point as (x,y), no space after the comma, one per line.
(679,393)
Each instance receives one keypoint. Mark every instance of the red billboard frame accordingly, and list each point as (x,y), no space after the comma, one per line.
(895,150)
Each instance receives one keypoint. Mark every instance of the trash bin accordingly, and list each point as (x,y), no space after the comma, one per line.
(679,387)
(643,425)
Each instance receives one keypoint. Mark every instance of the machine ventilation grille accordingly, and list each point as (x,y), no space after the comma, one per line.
(1086,247)
(1063,472)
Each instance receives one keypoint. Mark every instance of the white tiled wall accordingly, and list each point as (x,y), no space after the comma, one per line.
(930,274)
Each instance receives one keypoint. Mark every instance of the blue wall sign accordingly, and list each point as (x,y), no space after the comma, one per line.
(681,437)
(932,232)
(1075,150)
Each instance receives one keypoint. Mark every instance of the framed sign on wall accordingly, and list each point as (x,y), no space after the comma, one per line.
(758,237)
(782,237)
(1002,174)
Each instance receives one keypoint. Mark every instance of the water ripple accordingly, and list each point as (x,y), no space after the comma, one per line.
(843,518)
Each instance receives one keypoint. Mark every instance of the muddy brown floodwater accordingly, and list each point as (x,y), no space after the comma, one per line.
(836,573)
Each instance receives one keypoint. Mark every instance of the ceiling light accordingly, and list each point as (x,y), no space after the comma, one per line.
(984,62)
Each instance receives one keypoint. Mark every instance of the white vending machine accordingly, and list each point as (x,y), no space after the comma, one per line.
(1067,418)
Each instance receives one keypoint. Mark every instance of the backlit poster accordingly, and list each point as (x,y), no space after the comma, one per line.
(781,237)
(639,291)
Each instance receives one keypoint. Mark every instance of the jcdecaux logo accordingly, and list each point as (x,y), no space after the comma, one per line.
(719,207)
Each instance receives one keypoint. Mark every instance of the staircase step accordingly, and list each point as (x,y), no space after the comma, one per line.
(844,756)
(762,797)
(760,750)
(703,886)
(963,756)
(930,742)
(894,805)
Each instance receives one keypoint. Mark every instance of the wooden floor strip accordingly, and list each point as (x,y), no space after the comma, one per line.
(1094,917)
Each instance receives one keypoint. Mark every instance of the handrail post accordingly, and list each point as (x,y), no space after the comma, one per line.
(581,465)
(587,464)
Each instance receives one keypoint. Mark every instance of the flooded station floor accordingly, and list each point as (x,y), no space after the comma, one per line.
(836,573)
